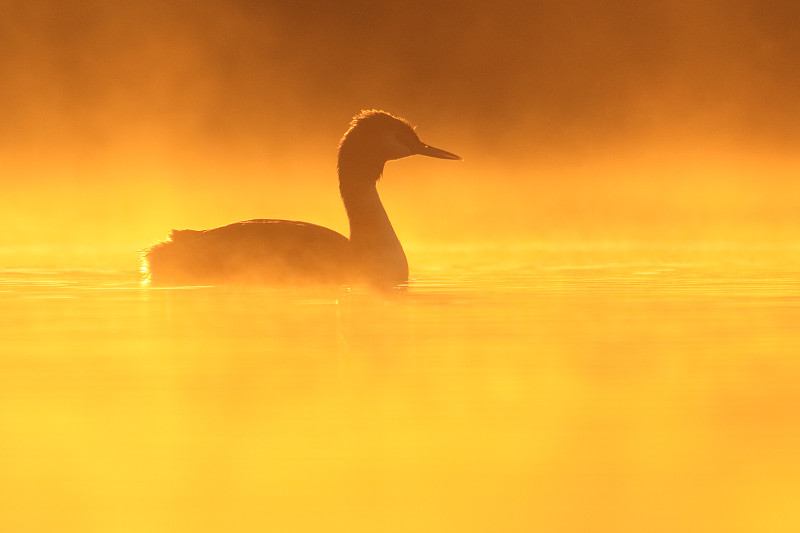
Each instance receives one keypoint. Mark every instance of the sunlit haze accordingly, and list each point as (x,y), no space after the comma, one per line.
(595,330)
(617,119)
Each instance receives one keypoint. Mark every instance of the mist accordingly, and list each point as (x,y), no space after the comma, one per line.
(575,119)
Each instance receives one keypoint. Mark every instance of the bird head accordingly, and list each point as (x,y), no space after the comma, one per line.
(375,137)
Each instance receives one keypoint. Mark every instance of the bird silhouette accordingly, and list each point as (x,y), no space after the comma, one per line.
(267,251)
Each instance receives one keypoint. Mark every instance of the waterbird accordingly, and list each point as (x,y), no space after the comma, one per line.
(268,251)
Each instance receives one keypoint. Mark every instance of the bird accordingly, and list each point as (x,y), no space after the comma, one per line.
(276,252)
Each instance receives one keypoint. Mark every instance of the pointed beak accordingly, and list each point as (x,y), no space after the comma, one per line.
(430,151)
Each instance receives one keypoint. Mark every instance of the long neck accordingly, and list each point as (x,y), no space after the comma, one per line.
(375,246)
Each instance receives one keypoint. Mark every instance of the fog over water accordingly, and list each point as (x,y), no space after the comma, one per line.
(124,119)
(600,329)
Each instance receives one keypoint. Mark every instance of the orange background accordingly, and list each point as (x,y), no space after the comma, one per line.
(599,120)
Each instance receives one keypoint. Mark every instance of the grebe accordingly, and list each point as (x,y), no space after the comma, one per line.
(283,251)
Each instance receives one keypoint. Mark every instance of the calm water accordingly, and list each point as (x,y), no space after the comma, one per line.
(589,389)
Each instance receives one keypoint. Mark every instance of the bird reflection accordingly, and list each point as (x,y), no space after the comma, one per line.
(289,252)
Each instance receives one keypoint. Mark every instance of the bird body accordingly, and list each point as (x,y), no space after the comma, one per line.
(268,251)
(254,251)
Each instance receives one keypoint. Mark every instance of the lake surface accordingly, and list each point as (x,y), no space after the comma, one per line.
(580,388)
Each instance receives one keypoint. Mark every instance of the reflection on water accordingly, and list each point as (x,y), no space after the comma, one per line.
(595,390)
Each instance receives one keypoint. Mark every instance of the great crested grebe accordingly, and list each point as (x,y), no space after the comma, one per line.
(283,251)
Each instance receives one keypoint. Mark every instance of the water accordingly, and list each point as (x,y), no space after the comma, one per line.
(583,388)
